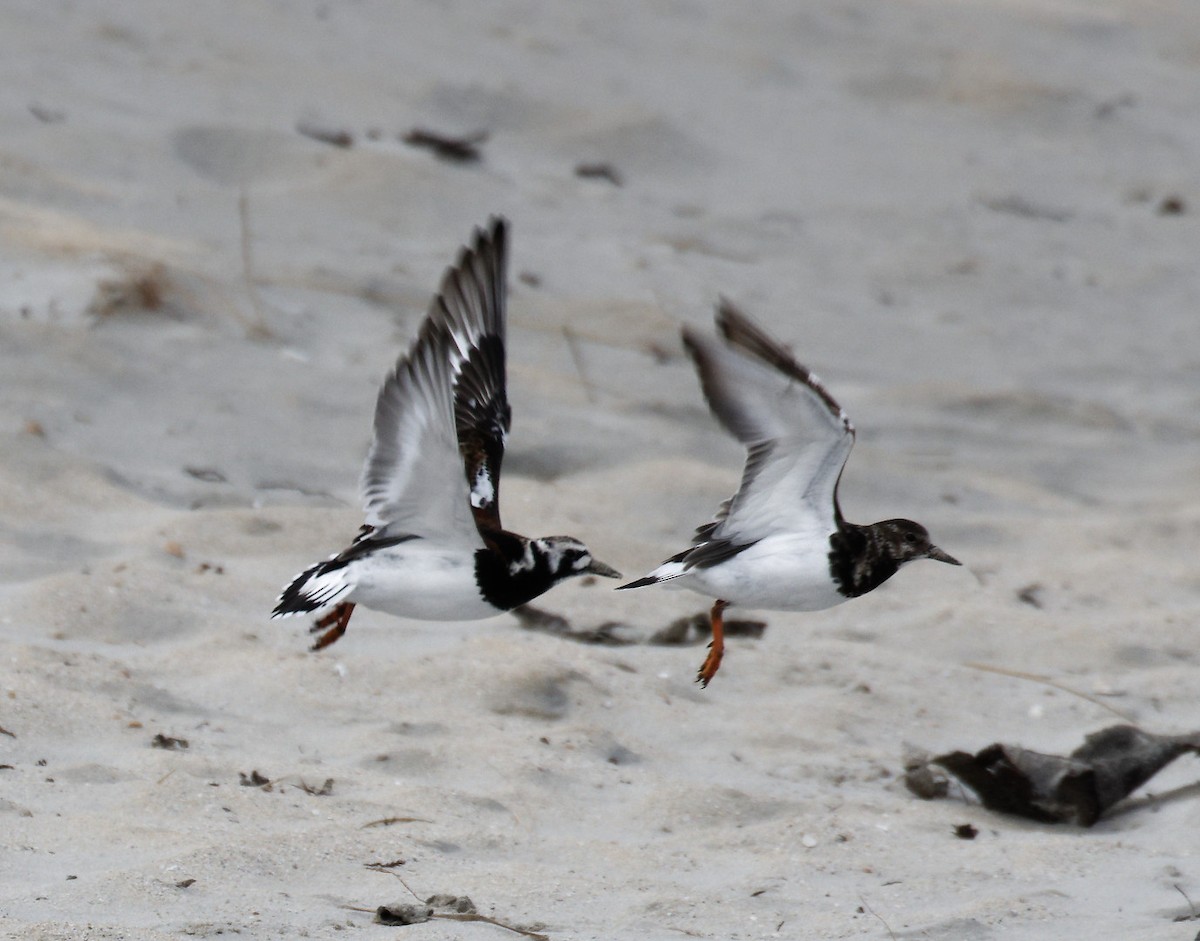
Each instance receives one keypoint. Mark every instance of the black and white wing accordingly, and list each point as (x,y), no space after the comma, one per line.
(796,435)
(482,416)
(413,480)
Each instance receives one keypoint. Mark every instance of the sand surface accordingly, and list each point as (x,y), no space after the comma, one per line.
(977,221)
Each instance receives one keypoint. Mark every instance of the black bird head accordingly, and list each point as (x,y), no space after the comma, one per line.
(906,541)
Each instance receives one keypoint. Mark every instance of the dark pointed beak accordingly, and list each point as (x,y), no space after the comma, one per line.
(599,568)
(936,553)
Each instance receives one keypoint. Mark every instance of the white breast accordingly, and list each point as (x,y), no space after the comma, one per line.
(418,580)
(779,573)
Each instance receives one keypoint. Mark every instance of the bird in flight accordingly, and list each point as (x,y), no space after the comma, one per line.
(781,541)
(433,546)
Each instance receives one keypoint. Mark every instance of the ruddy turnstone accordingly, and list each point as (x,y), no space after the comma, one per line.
(780,542)
(433,546)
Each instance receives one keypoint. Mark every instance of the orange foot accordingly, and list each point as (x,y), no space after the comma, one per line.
(336,621)
(716,650)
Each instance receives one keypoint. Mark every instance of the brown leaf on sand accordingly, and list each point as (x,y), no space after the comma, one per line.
(464,149)
(140,287)
(1031,595)
(1172,206)
(334,136)
(169,742)
(598,171)
(1078,788)
(210,475)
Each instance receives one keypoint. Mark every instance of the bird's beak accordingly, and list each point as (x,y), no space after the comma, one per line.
(936,553)
(599,568)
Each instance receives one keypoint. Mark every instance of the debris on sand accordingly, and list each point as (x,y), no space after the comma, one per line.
(333,136)
(464,149)
(169,742)
(447,907)
(598,171)
(1078,788)
(254,779)
(697,628)
(607,634)
(403,913)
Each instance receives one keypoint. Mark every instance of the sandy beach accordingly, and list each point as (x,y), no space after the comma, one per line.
(977,222)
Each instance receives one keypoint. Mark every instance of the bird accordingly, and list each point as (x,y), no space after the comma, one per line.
(433,546)
(780,542)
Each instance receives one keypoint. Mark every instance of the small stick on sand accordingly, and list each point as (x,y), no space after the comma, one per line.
(388,821)
(870,911)
(256,329)
(577,359)
(1048,681)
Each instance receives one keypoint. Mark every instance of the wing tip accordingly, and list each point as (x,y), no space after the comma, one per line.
(728,312)
(739,330)
(463,331)
(489,240)
(496,231)
(475,285)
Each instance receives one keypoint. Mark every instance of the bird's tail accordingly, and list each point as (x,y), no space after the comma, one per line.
(665,572)
(316,587)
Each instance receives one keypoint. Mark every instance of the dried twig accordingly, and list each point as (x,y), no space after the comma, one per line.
(1193,916)
(257,329)
(1048,681)
(577,359)
(384,867)
(388,821)
(870,911)
(492,921)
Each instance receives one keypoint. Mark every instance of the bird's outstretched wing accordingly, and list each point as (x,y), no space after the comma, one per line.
(482,415)
(435,458)
(796,435)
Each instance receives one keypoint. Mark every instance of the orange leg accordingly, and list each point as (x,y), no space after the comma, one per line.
(336,621)
(716,650)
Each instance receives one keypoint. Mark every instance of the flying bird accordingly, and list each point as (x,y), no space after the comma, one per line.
(781,541)
(433,546)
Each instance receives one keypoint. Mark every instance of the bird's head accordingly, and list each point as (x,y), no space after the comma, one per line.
(906,541)
(567,557)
